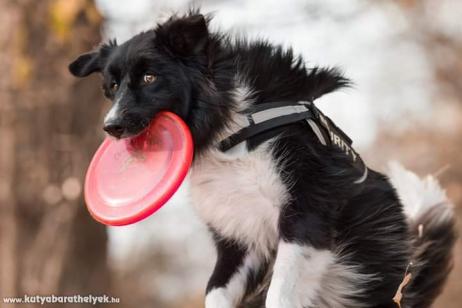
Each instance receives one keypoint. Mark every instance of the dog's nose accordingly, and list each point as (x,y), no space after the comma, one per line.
(114,129)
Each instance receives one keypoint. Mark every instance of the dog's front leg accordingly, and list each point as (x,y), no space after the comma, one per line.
(302,259)
(227,285)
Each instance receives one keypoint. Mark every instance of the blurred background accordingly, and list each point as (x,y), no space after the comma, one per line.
(404,56)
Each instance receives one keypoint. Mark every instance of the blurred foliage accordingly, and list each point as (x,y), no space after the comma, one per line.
(22,63)
(48,242)
(64,13)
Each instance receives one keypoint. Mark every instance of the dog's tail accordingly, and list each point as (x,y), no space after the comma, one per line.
(431,223)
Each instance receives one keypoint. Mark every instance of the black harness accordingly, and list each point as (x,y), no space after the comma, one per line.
(266,121)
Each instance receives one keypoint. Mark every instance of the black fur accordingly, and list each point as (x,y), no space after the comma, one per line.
(230,256)
(196,75)
(432,262)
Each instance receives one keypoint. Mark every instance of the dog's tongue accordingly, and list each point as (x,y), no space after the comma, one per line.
(130,179)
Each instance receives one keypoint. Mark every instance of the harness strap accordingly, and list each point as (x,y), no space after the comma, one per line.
(264,121)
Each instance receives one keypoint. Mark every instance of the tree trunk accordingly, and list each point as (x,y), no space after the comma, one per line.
(48,131)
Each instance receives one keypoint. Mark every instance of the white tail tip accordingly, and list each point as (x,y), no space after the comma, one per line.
(417,194)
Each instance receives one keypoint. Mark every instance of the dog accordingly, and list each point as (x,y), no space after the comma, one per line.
(293,225)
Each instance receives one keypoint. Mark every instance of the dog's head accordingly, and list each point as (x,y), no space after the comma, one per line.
(167,68)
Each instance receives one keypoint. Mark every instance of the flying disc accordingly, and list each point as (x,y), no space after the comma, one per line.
(130,179)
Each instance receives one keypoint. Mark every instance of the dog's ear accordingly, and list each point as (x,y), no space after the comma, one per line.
(86,64)
(184,36)
(92,62)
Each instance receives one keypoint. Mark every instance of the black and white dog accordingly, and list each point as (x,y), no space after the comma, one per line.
(295,223)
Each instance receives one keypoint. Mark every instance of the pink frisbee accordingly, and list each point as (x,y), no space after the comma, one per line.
(130,179)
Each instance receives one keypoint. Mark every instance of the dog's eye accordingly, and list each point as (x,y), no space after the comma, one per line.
(114,86)
(149,78)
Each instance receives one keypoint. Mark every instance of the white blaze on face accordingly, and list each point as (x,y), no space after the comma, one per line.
(115,110)
(113,113)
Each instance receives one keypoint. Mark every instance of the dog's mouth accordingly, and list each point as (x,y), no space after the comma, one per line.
(132,135)
(131,130)
(131,125)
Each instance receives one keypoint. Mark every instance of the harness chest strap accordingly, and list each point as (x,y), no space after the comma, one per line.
(263,119)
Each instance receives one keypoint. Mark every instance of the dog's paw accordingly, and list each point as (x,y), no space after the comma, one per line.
(218,298)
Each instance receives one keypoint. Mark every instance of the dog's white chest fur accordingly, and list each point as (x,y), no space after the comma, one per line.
(240,196)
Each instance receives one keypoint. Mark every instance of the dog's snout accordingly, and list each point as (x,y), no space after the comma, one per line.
(114,129)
